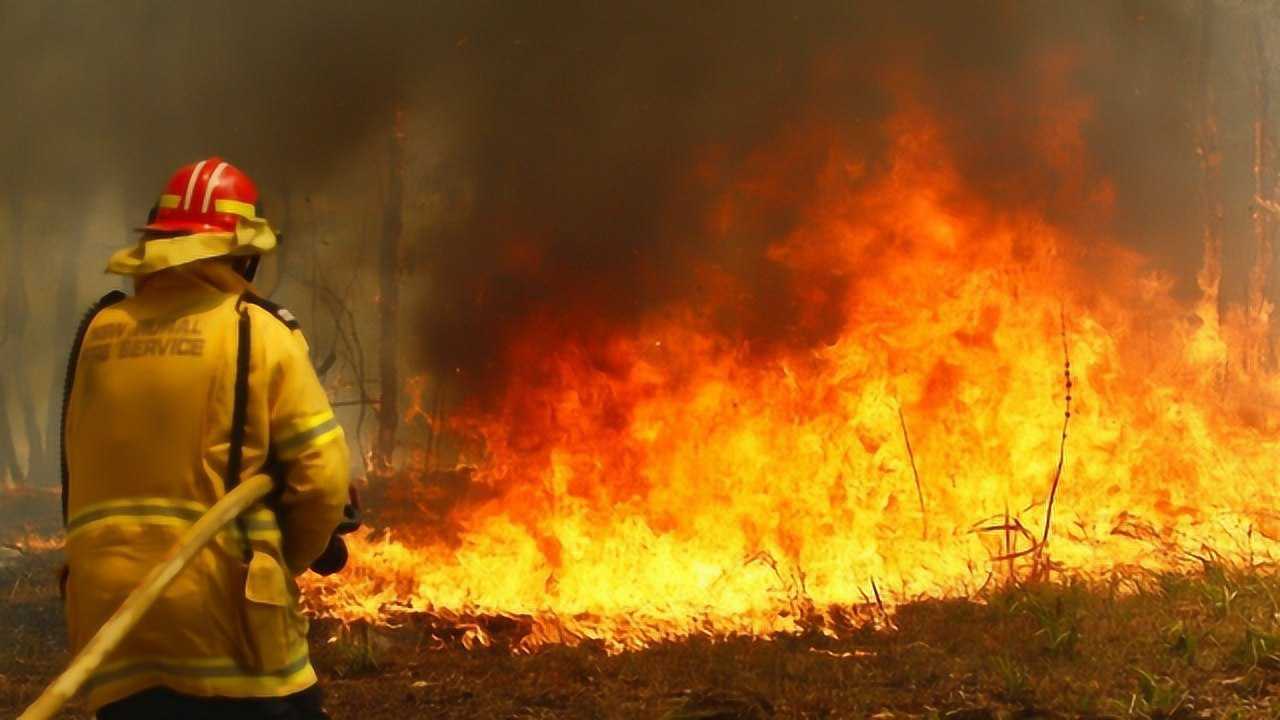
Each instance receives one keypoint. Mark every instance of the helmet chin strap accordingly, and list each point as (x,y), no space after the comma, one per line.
(249,269)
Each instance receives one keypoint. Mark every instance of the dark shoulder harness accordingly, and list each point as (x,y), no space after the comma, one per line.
(106,301)
(239,415)
(277,311)
(281,313)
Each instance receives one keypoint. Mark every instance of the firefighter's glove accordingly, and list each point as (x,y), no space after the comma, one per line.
(350,521)
(335,555)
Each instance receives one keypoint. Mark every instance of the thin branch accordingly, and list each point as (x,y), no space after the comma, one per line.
(346,336)
(350,338)
(915,473)
(884,613)
(1011,528)
(1268,205)
(1066,420)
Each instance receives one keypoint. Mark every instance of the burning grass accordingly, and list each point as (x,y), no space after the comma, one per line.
(1130,644)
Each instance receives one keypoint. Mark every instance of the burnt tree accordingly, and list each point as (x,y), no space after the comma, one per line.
(1259,281)
(17,313)
(63,333)
(389,303)
(1210,157)
(10,469)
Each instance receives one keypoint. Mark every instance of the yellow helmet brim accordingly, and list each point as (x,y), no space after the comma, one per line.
(251,237)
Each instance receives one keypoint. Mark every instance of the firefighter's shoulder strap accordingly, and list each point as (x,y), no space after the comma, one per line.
(239,413)
(322,364)
(239,408)
(276,310)
(104,302)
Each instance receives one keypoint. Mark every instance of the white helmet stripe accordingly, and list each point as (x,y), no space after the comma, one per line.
(208,188)
(191,185)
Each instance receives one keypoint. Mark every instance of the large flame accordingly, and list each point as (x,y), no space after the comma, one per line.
(668,480)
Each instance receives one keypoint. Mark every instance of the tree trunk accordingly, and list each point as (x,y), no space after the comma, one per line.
(10,469)
(64,329)
(1210,276)
(16,325)
(388,264)
(1259,305)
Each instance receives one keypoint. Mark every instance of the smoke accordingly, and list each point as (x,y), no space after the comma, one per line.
(601,140)
(561,158)
(122,93)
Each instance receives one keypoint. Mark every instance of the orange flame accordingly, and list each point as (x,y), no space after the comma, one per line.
(668,480)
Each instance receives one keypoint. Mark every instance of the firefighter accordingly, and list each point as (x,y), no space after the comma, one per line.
(174,395)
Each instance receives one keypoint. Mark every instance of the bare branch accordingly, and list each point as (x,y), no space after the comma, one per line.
(1066,420)
(906,437)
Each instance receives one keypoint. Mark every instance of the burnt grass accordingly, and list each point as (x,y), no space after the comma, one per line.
(1200,644)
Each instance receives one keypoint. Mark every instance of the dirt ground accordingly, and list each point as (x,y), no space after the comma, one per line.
(1204,645)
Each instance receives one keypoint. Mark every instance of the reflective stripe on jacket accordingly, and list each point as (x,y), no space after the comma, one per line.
(147,435)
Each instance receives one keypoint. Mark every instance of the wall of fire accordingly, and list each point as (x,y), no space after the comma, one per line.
(540,150)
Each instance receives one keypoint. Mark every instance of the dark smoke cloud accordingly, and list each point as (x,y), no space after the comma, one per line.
(589,124)
(564,136)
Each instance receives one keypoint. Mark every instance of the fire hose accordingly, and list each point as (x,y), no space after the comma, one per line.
(123,621)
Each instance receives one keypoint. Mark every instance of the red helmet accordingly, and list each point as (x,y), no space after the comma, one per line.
(207,196)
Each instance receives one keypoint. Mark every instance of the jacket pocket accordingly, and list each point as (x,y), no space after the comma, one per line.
(269,607)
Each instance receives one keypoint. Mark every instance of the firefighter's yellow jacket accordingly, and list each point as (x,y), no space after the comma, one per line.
(147,434)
